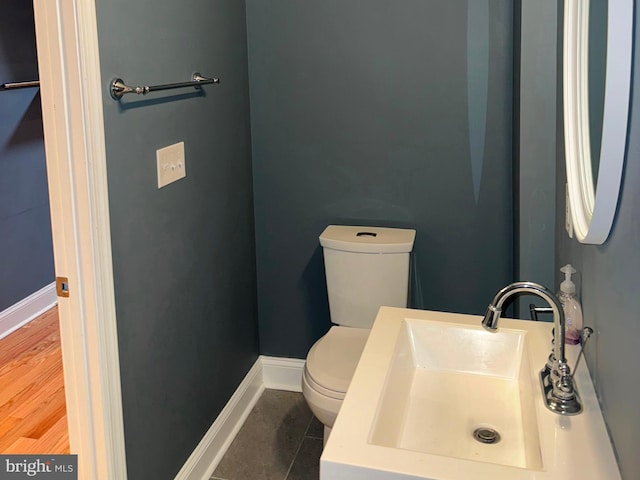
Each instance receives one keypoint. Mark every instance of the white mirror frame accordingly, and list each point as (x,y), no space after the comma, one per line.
(593,213)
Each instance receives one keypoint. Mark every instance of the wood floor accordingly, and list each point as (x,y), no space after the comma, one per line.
(33,417)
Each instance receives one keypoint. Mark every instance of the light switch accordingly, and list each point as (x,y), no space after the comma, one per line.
(171,164)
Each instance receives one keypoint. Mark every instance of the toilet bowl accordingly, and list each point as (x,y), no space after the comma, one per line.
(366,267)
(327,373)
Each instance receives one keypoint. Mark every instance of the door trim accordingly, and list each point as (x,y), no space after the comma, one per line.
(68,61)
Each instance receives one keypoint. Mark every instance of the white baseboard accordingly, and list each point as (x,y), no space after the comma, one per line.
(27,309)
(282,373)
(268,372)
(205,458)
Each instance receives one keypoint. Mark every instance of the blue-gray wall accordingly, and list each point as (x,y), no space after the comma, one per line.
(381,113)
(610,300)
(536,141)
(183,256)
(26,252)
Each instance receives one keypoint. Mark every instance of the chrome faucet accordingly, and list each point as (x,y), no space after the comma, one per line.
(557,382)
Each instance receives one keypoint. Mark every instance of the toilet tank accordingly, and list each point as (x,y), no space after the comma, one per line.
(366,267)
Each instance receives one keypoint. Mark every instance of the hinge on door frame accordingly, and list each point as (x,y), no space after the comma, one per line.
(62,286)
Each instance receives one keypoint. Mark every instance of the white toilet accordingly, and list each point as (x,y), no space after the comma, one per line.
(366,267)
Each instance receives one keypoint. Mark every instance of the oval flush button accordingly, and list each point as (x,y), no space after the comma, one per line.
(366,234)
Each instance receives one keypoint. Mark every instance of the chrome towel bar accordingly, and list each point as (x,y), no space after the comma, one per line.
(16,85)
(119,88)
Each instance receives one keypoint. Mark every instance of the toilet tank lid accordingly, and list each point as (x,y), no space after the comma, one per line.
(368,239)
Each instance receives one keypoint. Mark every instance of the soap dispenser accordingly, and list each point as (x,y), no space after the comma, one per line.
(571,307)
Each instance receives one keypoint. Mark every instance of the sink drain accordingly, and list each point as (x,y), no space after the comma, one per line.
(486,435)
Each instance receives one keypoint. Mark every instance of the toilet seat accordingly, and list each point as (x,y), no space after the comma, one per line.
(332,360)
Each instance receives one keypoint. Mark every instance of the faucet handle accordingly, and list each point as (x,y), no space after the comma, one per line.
(586,334)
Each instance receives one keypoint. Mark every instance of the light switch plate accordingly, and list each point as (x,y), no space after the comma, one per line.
(171,164)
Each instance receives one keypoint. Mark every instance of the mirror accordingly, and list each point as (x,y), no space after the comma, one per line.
(597,74)
(593,198)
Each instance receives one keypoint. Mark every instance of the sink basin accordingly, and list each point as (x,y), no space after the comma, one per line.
(435,396)
(449,381)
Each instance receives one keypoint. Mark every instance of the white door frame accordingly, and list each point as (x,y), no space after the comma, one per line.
(68,61)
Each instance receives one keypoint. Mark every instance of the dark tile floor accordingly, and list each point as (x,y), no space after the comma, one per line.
(280,440)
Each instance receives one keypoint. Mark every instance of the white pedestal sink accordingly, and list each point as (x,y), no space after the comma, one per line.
(427,381)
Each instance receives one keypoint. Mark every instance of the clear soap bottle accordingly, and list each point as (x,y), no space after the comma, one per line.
(571,307)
